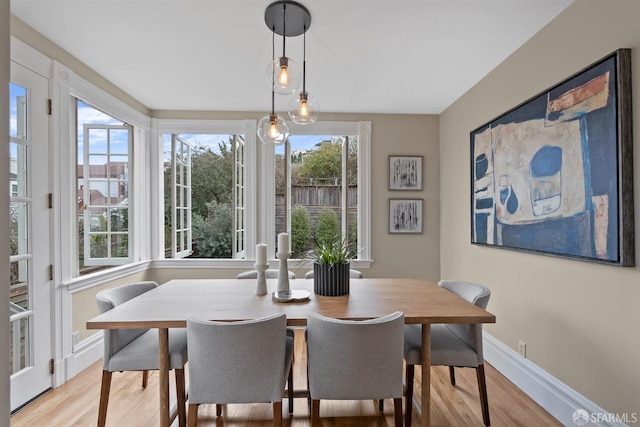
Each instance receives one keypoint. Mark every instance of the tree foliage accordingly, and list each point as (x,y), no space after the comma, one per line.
(211,198)
(326,162)
(211,177)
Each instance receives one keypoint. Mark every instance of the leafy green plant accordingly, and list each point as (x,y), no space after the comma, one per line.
(211,236)
(332,252)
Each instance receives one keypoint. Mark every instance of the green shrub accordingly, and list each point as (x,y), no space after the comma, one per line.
(327,227)
(212,237)
(300,230)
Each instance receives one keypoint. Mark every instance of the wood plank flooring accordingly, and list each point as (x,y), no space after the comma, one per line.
(75,403)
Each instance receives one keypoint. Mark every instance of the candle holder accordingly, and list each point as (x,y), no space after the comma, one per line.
(283,272)
(262,279)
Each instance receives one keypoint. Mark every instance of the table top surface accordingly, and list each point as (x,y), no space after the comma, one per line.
(170,304)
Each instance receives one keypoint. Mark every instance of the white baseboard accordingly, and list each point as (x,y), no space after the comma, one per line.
(555,397)
(85,354)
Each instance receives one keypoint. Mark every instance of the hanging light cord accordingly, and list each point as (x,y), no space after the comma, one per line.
(304,59)
(273,74)
(284,29)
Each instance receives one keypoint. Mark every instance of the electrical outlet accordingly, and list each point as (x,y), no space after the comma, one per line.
(75,339)
(522,349)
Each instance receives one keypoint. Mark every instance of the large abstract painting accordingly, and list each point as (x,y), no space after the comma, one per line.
(554,175)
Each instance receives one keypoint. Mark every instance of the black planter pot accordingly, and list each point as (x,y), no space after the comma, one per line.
(331,280)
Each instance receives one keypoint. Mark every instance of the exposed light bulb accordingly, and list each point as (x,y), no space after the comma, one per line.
(303,111)
(283,76)
(273,129)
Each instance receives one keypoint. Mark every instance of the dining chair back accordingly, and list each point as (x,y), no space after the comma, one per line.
(270,273)
(452,345)
(137,349)
(239,362)
(355,360)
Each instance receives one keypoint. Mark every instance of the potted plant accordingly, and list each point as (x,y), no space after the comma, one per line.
(331,267)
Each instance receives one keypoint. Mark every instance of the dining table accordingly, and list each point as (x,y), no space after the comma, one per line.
(172,303)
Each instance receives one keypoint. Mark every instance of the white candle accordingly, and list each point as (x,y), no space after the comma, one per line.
(261,254)
(283,243)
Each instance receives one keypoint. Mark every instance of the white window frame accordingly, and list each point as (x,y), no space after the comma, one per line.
(217,127)
(267,193)
(67,86)
(87,178)
(178,250)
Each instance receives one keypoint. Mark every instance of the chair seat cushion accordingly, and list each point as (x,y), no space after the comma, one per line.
(141,354)
(446,348)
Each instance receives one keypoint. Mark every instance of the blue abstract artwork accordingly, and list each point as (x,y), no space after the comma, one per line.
(547,176)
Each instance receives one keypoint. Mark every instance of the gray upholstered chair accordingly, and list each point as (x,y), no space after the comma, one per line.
(271,273)
(451,345)
(137,349)
(354,274)
(355,360)
(239,362)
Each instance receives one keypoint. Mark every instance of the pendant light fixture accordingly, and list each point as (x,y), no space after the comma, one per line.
(287,19)
(304,109)
(284,18)
(272,129)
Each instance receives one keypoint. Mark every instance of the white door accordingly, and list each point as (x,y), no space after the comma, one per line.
(30,285)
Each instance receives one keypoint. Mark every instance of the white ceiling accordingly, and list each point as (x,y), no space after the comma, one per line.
(367,56)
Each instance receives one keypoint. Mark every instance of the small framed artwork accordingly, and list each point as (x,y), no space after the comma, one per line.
(405,172)
(405,216)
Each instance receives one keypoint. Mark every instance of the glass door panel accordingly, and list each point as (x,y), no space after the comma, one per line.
(29,346)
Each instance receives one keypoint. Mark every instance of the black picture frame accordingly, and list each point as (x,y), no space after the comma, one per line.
(554,175)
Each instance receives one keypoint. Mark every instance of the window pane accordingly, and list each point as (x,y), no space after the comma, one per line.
(119,245)
(18,111)
(99,139)
(119,219)
(18,217)
(119,142)
(203,182)
(103,189)
(19,344)
(19,304)
(17,170)
(19,283)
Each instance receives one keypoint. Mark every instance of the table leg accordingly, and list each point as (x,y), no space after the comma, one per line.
(425,395)
(163,365)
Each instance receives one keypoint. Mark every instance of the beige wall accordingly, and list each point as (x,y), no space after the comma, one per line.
(4,213)
(85,306)
(578,319)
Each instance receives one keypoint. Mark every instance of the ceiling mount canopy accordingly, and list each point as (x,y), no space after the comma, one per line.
(287,18)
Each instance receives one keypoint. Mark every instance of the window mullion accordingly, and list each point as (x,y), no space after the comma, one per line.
(345,186)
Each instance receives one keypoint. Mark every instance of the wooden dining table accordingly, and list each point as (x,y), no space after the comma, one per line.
(169,306)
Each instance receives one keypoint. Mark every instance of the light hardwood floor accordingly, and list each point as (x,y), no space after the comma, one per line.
(76,403)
